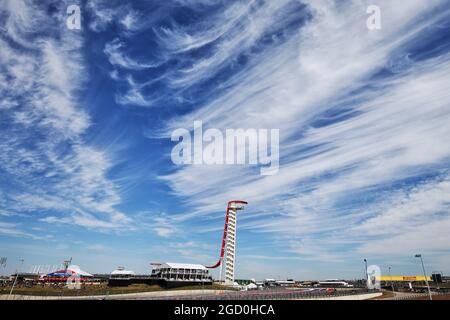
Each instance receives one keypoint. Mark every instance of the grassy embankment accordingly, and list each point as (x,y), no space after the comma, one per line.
(93,290)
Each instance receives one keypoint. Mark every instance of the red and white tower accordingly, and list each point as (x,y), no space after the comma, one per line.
(228,249)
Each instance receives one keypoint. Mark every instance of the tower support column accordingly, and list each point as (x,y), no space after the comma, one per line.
(227,258)
(230,247)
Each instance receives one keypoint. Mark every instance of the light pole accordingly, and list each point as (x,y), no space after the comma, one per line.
(15,280)
(365,273)
(392,284)
(425,274)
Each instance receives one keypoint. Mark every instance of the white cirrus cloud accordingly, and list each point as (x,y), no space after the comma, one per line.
(49,167)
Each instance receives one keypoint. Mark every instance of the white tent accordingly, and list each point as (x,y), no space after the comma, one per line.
(77,270)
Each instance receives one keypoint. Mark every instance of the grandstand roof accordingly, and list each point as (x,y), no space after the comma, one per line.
(182,266)
(122,271)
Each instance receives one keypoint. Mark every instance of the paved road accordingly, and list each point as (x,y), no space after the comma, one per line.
(407,296)
(207,295)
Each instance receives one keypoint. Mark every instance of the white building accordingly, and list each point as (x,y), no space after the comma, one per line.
(171,271)
(120,272)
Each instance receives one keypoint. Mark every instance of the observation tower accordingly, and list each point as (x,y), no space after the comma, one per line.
(228,248)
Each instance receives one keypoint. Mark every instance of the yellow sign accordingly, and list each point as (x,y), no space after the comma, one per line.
(403,278)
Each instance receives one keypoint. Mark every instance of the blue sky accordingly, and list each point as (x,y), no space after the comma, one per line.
(364,117)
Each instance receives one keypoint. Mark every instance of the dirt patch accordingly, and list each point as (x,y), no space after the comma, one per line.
(436,297)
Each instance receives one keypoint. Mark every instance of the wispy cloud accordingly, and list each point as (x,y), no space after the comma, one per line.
(14,230)
(43,153)
(352,123)
(363,118)
(118,58)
